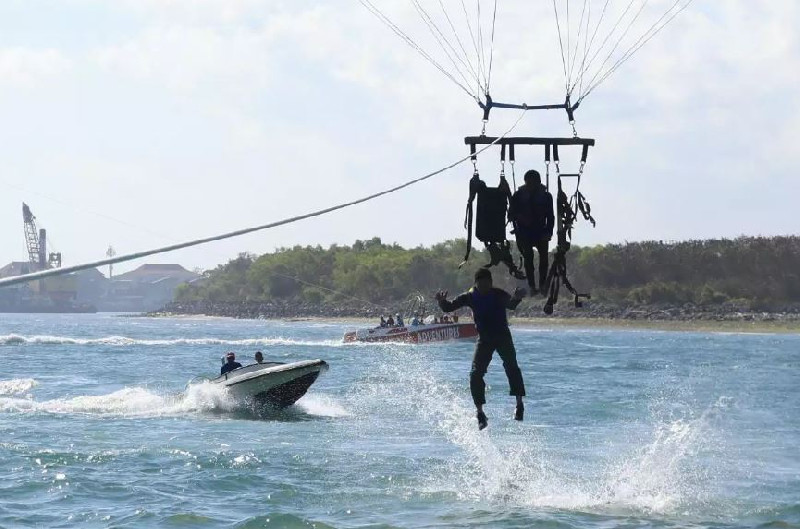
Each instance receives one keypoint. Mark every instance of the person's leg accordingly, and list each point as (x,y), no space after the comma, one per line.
(543,248)
(480,363)
(526,249)
(516,385)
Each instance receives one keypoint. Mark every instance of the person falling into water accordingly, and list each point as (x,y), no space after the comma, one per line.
(489,307)
(532,209)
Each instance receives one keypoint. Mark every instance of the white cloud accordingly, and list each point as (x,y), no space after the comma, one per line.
(28,67)
(240,112)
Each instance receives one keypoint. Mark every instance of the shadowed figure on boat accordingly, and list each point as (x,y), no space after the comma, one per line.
(230,364)
(489,307)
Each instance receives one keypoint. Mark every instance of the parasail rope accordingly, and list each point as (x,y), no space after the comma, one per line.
(15,280)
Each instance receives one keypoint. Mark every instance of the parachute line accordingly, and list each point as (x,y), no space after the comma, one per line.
(491,47)
(460,43)
(408,40)
(474,42)
(654,30)
(442,40)
(561,44)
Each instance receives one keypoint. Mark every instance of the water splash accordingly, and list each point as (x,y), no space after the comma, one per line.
(322,406)
(652,470)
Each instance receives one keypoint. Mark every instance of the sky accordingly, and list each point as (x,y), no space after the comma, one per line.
(141,123)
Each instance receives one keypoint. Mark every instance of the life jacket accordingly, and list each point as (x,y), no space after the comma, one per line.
(488,311)
(229,366)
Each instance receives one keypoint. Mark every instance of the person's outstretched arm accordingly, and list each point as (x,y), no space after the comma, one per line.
(450,306)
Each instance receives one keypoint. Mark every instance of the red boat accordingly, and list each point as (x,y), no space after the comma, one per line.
(423,333)
(424,327)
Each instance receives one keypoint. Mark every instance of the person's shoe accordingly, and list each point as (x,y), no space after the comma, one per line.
(483,422)
(519,412)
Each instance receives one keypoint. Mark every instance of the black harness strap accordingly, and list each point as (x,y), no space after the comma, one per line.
(567,213)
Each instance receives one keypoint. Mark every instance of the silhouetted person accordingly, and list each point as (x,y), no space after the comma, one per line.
(489,306)
(532,207)
(390,321)
(259,357)
(230,364)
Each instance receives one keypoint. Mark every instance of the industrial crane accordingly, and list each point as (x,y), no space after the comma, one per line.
(36,240)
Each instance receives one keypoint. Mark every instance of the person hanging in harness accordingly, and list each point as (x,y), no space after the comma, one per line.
(532,211)
(489,307)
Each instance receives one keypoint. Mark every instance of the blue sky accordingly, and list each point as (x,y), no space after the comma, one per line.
(141,123)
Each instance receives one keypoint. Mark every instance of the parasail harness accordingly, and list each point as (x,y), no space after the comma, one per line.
(493,211)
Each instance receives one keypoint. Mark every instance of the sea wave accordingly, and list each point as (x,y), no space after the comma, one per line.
(17,386)
(124,341)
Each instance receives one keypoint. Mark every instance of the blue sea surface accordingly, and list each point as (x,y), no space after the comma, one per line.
(109,421)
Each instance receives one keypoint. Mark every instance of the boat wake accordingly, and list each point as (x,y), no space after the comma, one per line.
(202,398)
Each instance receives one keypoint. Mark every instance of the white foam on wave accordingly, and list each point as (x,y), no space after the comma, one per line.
(138,402)
(17,386)
(124,341)
(655,472)
(131,402)
(322,406)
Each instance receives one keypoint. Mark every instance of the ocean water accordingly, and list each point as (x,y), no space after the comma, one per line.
(108,421)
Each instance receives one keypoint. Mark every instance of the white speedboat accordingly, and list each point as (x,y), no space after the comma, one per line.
(272,383)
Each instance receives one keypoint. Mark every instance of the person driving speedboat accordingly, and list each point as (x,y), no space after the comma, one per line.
(230,363)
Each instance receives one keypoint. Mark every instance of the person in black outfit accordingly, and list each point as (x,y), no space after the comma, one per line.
(230,364)
(532,210)
(489,306)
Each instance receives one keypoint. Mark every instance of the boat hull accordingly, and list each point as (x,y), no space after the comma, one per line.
(437,332)
(272,384)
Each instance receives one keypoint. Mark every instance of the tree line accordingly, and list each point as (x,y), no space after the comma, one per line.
(761,273)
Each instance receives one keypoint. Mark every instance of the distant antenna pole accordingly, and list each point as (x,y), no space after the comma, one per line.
(110,253)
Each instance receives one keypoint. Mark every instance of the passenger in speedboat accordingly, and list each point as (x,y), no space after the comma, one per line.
(399,320)
(489,307)
(230,364)
(390,322)
(415,321)
(259,357)
(383,322)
